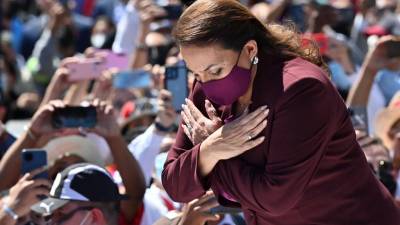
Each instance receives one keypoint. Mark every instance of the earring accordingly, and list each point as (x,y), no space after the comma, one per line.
(255,60)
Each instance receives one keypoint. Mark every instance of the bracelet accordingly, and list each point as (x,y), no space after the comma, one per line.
(10,212)
(30,134)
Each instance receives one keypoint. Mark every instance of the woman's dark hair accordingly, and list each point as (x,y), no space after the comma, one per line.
(231,25)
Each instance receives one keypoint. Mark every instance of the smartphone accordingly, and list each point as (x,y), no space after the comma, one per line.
(34,159)
(116,60)
(359,118)
(225,210)
(392,49)
(173,12)
(176,81)
(75,116)
(132,79)
(86,69)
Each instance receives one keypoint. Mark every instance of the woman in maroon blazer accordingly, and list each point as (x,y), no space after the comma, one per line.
(304,166)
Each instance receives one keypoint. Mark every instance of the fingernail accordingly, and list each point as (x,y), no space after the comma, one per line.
(186,100)
(266,111)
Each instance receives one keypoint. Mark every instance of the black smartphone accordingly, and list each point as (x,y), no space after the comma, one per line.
(32,159)
(225,210)
(176,81)
(173,12)
(75,116)
(359,118)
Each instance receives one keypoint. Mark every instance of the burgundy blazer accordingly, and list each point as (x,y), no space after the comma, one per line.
(309,170)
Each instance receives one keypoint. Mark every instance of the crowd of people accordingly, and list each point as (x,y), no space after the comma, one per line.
(59,54)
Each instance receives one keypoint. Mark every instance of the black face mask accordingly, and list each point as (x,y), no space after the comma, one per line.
(158,54)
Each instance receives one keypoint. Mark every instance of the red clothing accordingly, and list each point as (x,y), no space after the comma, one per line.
(310,169)
(137,219)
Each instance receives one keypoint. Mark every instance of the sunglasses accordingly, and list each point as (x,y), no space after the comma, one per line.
(58,218)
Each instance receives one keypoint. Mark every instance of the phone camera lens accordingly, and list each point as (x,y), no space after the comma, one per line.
(28,157)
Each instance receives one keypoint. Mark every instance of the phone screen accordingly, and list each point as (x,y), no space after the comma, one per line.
(34,159)
(132,79)
(75,116)
(176,81)
(225,210)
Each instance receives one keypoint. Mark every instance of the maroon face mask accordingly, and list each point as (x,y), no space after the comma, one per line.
(227,90)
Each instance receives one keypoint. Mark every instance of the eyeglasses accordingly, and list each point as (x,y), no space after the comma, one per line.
(59,218)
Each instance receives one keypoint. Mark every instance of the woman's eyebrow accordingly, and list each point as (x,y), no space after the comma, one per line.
(209,66)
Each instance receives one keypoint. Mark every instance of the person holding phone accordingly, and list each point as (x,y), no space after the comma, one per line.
(17,204)
(285,151)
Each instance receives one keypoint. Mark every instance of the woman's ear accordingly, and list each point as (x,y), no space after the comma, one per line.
(251,49)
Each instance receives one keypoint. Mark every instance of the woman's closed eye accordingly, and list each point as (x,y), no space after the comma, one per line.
(216,72)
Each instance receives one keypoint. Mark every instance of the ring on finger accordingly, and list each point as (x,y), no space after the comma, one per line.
(249,137)
(190,128)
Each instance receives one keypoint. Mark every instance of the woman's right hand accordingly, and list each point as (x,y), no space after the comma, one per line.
(233,139)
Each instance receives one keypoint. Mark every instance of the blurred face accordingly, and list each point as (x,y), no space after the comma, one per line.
(75,214)
(214,62)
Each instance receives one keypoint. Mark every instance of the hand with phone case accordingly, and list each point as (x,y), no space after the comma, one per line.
(25,192)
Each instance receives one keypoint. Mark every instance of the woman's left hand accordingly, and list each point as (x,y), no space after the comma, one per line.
(198,127)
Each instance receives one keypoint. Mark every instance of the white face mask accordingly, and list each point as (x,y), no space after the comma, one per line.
(98,40)
(85,218)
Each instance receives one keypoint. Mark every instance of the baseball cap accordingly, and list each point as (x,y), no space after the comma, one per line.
(91,148)
(80,182)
